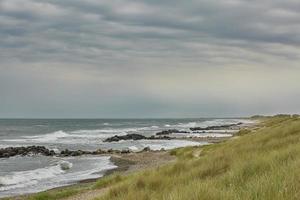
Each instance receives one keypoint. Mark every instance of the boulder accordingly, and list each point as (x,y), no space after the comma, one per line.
(146,149)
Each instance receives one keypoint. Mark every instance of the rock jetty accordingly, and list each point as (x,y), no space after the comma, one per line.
(117,138)
(170,131)
(41,150)
(228,126)
(23,151)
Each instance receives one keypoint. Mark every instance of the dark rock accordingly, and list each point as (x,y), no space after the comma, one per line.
(215,127)
(100,151)
(170,131)
(110,151)
(124,151)
(117,151)
(23,151)
(117,138)
(5,155)
(146,149)
(163,138)
(75,153)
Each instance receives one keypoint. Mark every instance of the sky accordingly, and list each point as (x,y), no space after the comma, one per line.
(149,58)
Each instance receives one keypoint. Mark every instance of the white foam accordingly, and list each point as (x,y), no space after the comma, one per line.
(169,144)
(215,122)
(133,148)
(18,179)
(48,137)
(53,176)
(205,135)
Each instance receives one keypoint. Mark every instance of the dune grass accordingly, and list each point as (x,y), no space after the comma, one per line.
(55,195)
(259,164)
(59,193)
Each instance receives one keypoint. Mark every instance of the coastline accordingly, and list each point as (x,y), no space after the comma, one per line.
(126,164)
(130,163)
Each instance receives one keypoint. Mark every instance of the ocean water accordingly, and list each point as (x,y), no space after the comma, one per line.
(20,175)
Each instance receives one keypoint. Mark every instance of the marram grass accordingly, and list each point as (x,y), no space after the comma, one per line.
(263,163)
(259,164)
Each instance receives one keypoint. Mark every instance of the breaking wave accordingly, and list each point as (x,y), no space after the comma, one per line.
(31,177)
(62,173)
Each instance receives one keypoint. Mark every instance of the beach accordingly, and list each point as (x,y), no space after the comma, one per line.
(124,156)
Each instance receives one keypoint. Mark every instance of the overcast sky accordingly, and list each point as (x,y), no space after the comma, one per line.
(149,58)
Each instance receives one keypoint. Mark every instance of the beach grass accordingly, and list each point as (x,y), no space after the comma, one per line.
(59,193)
(258,164)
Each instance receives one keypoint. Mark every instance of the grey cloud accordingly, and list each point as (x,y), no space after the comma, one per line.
(122,39)
(92,24)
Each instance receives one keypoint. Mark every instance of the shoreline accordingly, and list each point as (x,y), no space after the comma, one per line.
(132,162)
(126,164)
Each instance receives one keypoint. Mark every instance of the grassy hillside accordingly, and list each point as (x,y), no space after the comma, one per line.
(261,164)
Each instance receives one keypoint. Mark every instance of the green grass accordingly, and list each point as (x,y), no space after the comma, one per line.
(59,194)
(108,180)
(260,164)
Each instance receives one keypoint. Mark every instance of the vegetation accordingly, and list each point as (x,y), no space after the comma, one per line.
(60,193)
(259,164)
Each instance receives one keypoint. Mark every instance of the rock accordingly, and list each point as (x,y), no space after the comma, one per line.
(65,165)
(163,138)
(5,155)
(170,131)
(117,151)
(110,151)
(65,152)
(124,151)
(52,153)
(23,151)
(75,153)
(99,151)
(167,132)
(117,138)
(215,127)
(146,149)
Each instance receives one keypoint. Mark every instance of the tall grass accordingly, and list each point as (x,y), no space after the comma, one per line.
(260,164)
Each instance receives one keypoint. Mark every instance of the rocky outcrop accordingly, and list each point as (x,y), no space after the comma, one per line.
(170,131)
(228,126)
(41,150)
(152,137)
(23,151)
(66,153)
(117,138)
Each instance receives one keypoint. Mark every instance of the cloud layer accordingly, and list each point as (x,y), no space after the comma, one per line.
(129,58)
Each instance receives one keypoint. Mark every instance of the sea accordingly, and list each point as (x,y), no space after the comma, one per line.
(35,173)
